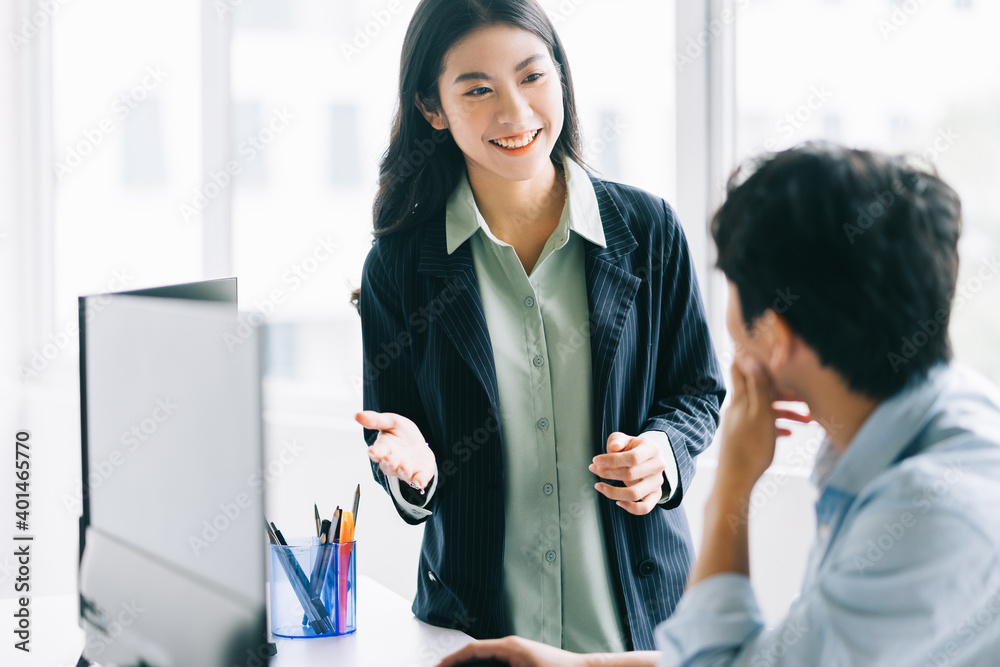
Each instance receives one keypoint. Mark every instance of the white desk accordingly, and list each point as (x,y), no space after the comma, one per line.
(388,635)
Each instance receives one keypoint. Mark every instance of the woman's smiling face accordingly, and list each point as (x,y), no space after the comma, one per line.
(501,98)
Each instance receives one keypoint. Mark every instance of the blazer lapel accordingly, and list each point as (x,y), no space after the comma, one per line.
(462,316)
(611,290)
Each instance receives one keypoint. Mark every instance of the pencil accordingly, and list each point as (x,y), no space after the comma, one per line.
(277,533)
(357,499)
(335,528)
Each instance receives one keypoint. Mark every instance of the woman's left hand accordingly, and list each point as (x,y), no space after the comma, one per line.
(636,462)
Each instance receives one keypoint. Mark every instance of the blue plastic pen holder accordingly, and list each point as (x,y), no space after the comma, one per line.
(313,589)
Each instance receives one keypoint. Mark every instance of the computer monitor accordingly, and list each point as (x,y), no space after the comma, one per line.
(172,543)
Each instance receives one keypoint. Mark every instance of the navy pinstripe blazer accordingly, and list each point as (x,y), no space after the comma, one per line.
(428,356)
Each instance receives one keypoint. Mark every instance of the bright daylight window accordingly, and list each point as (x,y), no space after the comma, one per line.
(126,124)
(302,203)
(916,77)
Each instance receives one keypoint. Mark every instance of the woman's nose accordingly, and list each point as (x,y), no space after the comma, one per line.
(514,108)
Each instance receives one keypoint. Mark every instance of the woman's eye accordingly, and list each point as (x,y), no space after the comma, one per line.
(533,77)
(477,92)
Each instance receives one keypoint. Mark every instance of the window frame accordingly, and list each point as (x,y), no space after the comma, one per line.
(706,136)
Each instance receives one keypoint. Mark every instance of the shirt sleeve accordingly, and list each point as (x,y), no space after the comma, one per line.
(879,600)
(671,473)
(403,498)
(712,620)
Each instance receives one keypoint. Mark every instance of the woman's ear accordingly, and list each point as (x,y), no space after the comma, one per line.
(436,117)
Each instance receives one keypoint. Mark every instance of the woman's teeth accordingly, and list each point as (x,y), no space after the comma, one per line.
(518,142)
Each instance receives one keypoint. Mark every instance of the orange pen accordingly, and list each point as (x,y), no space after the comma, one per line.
(344,558)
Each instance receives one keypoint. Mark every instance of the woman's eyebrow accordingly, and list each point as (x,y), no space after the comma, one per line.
(527,61)
(482,76)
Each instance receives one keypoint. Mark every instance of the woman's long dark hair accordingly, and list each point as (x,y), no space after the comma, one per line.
(422,166)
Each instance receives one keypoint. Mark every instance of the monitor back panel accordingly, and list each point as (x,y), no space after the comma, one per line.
(174,439)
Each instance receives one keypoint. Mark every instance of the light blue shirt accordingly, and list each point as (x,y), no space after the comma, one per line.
(905,569)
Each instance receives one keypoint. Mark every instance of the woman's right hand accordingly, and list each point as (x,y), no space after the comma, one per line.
(400,449)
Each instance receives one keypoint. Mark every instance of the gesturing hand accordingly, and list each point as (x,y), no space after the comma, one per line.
(400,449)
(636,462)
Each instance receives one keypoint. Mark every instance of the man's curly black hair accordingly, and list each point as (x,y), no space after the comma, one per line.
(856,250)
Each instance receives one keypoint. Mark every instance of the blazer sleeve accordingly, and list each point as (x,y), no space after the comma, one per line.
(688,386)
(387,369)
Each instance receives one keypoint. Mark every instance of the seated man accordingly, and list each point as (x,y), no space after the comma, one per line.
(842,267)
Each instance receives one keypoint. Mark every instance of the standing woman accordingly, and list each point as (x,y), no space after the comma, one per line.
(538,371)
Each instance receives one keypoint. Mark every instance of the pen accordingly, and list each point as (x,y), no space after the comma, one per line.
(357,499)
(319,529)
(321,564)
(343,566)
(335,535)
(346,526)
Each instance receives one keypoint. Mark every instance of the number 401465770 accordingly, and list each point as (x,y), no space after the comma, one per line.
(22,463)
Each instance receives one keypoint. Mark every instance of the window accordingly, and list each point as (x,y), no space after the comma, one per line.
(142,163)
(345,158)
(300,236)
(126,148)
(899,77)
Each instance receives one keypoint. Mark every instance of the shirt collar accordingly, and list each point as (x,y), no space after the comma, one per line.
(463,219)
(884,436)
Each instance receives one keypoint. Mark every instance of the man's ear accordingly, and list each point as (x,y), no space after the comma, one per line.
(781,338)
(434,117)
